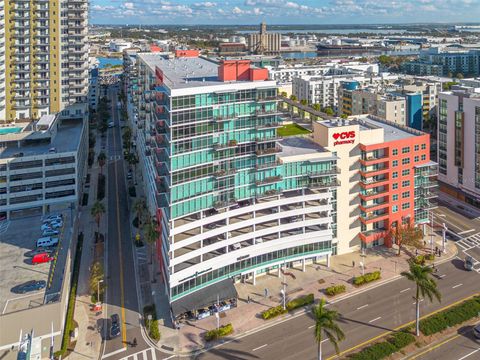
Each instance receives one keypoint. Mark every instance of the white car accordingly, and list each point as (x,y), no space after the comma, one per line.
(51,225)
(49,232)
(111,124)
(51,218)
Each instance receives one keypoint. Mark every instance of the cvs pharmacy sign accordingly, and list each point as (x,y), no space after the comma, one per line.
(346,137)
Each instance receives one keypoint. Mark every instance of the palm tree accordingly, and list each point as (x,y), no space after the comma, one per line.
(97,210)
(140,206)
(293,98)
(326,325)
(406,234)
(101,158)
(151,234)
(426,286)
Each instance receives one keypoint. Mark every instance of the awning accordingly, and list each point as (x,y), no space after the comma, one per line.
(205,297)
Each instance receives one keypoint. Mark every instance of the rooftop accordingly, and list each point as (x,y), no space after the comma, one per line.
(292,146)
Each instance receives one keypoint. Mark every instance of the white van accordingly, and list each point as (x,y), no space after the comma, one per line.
(47,241)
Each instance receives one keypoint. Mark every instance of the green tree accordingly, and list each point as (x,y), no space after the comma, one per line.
(151,234)
(344,116)
(426,286)
(97,211)
(406,235)
(304,102)
(328,111)
(132,160)
(293,98)
(326,326)
(317,107)
(127,138)
(101,159)
(96,274)
(459,76)
(140,208)
(283,93)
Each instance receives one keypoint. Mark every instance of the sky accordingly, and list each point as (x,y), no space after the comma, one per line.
(231,12)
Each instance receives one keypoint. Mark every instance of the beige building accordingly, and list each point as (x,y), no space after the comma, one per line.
(264,42)
(45,63)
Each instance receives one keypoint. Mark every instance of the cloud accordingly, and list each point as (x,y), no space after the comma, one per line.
(128,5)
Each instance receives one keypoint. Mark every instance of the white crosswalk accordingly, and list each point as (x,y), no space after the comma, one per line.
(147,354)
(142,255)
(467,244)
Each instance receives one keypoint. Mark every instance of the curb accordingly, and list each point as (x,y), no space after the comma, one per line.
(292,315)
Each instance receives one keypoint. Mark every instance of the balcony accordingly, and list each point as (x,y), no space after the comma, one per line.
(371,183)
(374,207)
(268,151)
(269,180)
(223,204)
(426,184)
(268,193)
(425,194)
(261,113)
(229,145)
(268,165)
(273,125)
(373,159)
(372,235)
(322,173)
(374,172)
(372,218)
(224,118)
(424,204)
(223,173)
(268,139)
(323,184)
(263,99)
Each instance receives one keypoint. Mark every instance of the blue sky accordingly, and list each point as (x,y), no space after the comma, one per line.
(188,12)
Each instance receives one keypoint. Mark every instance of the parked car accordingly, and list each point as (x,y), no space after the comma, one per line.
(49,232)
(55,224)
(476,331)
(41,258)
(111,124)
(47,241)
(40,250)
(468,264)
(50,218)
(115,326)
(29,286)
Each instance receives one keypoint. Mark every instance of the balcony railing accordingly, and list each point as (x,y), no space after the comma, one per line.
(268,151)
(268,139)
(229,145)
(372,217)
(272,125)
(268,193)
(427,184)
(261,99)
(323,184)
(222,204)
(260,113)
(268,165)
(317,174)
(224,173)
(269,180)
(224,118)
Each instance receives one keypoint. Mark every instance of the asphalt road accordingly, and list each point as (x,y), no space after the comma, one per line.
(121,281)
(364,316)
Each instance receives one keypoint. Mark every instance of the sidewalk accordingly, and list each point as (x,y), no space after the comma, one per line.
(88,345)
(246,316)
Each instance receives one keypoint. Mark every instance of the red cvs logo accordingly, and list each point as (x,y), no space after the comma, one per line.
(346,137)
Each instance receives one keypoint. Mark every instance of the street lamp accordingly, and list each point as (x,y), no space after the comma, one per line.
(444,237)
(98,290)
(283,291)
(363,262)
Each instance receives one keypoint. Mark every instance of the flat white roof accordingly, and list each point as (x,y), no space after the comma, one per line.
(46,120)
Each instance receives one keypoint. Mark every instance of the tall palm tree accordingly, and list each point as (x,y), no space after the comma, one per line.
(151,235)
(97,210)
(326,325)
(140,206)
(101,158)
(426,286)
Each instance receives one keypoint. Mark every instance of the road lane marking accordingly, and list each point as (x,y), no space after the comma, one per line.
(378,318)
(114,352)
(466,232)
(311,326)
(362,307)
(473,352)
(431,348)
(404,290)
(458,285)
(442,276)
(260,347)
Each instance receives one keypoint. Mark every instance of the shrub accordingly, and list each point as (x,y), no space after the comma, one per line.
(419,260)
(151,325)
(365,279)
(218,333)
(451,317)
(273,312)
(381,350)
(335,290)
(299,302)
(430,257)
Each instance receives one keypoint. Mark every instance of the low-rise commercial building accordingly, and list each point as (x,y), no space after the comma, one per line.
(459,143)
(235,201)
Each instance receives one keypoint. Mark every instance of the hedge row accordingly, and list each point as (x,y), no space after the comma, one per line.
(69,324)
(291,305)
(451,317)
(218,333)
(335,290)
(420,259)
(365,279)
(381,350)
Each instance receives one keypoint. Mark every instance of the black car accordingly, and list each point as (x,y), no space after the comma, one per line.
(29,286)
(39,250)
(115,326)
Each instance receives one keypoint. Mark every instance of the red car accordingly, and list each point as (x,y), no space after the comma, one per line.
(41,258)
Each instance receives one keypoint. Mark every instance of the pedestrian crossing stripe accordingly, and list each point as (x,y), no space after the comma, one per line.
(142,355)
(468,243)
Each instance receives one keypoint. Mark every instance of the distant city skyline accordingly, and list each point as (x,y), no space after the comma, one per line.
(188,12)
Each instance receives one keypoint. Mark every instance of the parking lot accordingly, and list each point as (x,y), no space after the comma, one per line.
(16,268)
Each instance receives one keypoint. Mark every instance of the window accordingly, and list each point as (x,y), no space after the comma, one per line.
(424,146)
(395,152)
(406,172)
(395,186)
(395,163)
(416,158)
(394,208)
(405,194)
(424,157)
(405,206)
(416,147)
(406,150)
(395,197)
(394,175)
(405,161)
(405,183)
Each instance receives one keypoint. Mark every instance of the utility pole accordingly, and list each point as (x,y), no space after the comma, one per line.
(444,237)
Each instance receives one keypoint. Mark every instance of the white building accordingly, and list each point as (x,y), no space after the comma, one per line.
(459,143)
(119,45)
(42,165)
